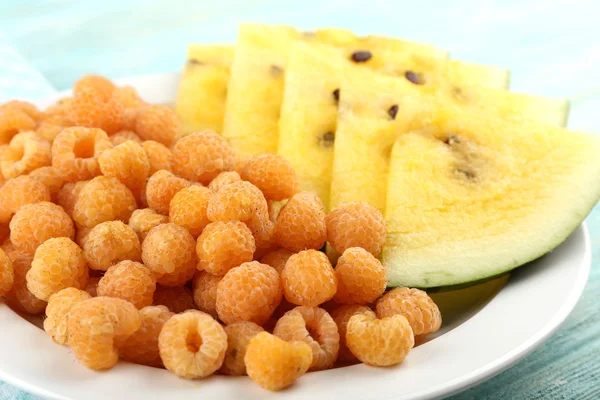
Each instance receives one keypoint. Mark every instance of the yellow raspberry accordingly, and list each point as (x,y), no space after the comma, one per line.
(18,192)
(202,156)
(239,335)
(315,327)
(57,264)
(188,209)
(13,121)
(301,223)
(49,127)
(356,225)
(57,310)
(20,298)
(205,292)
(109,243)
(128,163)
(274,363)
(223,179)
(142,346)
(250,292)
(23,106)
(103,86)
(158,154)
(176,298)
(157,122)
(308,278)
(273,175)
(379,342)
(130,281)
(68,195)
(26,152)
(50,177)
(168,248)
(123,136)
(35,223)
(143,220)
(128,96)
(277,259)
(92,286)
(75,152)
(161,188)
(93,108)
(103,199)
(341,315)
(96,327)
(224,245)
(361,277)
(129,118)
(192,345)
(422,313)
(7,274)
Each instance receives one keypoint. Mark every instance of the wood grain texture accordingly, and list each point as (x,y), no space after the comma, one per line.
(551,47)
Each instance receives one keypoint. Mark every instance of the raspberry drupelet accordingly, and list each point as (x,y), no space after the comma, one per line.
(315,327)
(224,245)
(202,156)
(301,223)
(422,313)
(25,153)
(361,277)
(176,298)
(58,307)
(142,220)
(188,209)
(130,281)
(158,123)
(250,292)
(161,188)
(205,292)
(192,345)
(109,243)
(341,315)
(273,175)
(308,278)
(239,335)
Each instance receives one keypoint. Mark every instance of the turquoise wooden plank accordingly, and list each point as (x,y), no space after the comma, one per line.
(552,49)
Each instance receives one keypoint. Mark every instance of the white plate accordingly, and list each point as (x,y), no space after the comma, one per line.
(483,333)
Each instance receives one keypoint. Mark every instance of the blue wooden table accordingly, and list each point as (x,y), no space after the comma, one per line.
(551,47)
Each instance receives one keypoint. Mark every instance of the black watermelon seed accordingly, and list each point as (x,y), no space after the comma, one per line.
(276,70)
(336,95)
(361,56)
(193,61)
(412,77)
(393,110)
(327,139)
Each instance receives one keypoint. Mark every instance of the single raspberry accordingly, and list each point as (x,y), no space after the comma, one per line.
(128,163)
(356,225)
(157,122)
(60,108)
(68,195)
(205,292)
(158,154)
(51,126)
(277,259)
(123,136)
(23,106)
(75,151)
(250,292)
(242,201)
(13,121)
(161,188)
(192,345)
(20,298)
(18,192)
(142,220)
(35,223)
(98,83)
(315,327)
(361,277)
(188,209)
(57,264)
(176,298)
(96,327)
(92,286)
(130,281)
(238,337)
(109,243)
(223,179)
(341,315)
(142,346)
(128,96)
(25,153)
(93,109)
(422,313)
(274,363)
(379,342)
(224,245)
(51,178)
(58,307)
(103,199)
(7,274)
(308,278)
(301,223)
(202,156)
(168,249)
(273,175)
